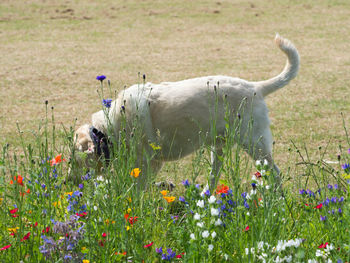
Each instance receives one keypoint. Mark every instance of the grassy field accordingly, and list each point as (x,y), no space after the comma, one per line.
(53,50)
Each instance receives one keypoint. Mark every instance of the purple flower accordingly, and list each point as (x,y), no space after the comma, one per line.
(182,199)
(159,250)
(341,199)
(246,205)
(330,187)
(346,167)
(244,194)
(340,211)
(170,254)
(302,191)
(323,218)
(186,183)
(334,199)
(207,193)
(81,186)
(101,78)
(336,186)
(253,185)
(107,102)
(43,186)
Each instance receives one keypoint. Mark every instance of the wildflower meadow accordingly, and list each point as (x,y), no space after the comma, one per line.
(54,211)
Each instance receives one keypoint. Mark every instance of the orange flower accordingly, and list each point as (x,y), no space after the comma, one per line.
(222,189)
(58,159)
(169,199)
(18,179)
(135,172)
(164,192)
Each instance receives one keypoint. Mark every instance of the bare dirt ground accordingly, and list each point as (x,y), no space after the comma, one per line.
(53,50)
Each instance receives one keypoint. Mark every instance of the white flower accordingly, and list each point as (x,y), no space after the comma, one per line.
(267,187)
(288,258)
(312,261)
(218,222)
(100,178)
(247,251)
(200,203)
(200,224)
(205,234)
(266,162)
(210,247)
(214,211)
(258,162)
(212,199)
(213,235)
(192,236)
(248,214)
(95,208)
(197,216)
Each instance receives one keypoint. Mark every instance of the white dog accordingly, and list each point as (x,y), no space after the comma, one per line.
(180,116)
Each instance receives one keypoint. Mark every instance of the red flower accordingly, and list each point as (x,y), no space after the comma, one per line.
(26,237)
(104,234)
(307,205)
(58,159)
(246,229)
(46,230)
(222,189)
(323,245)
(148,245)
(180,255)
(257,174)
(83,214)
(101,243)
(318,206)
(132,220)
(5,247)
(13,212)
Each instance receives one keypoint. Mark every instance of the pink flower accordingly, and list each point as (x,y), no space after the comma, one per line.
(246,229)
(318,206)
(104,234)
(5,247)
(148,245)
(323,245)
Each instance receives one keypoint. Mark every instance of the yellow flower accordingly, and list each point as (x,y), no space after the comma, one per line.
(155,147)
(169,199)
(69,193)
(129,199)
(1,199)
(13,230)
(129,210)
(55,204)
(135,172)
(346,176)
(127,228)
(86,261)
(164,192)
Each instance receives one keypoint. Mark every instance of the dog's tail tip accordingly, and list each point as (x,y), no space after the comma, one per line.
(282,42)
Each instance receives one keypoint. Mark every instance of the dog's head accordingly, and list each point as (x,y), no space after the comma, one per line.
(84,146)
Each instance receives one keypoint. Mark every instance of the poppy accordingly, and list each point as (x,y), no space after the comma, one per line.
(222,189)
(26,237)
(58,159)
(135,172)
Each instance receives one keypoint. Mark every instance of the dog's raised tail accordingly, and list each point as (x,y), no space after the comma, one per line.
(289,72)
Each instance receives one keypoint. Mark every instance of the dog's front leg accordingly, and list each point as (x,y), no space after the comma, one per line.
(216,164)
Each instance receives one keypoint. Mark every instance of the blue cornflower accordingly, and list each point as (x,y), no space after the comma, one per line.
(346,167)
(159,250)
(43,186)
(339,261)
(182,199)
(302,191)
(334,199)
(326,202)
(330,187)
(246,205)
(244,195)
(341,199)
(340,211)
(101,78)
(254,185)
(170,254)
(223,195)
(67,257)
(186,183)
(81,186)
(86,177)
(207,193)
(323,218)
(230,202)
(107,102)
(336,186)
(310,193)
(223,207)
